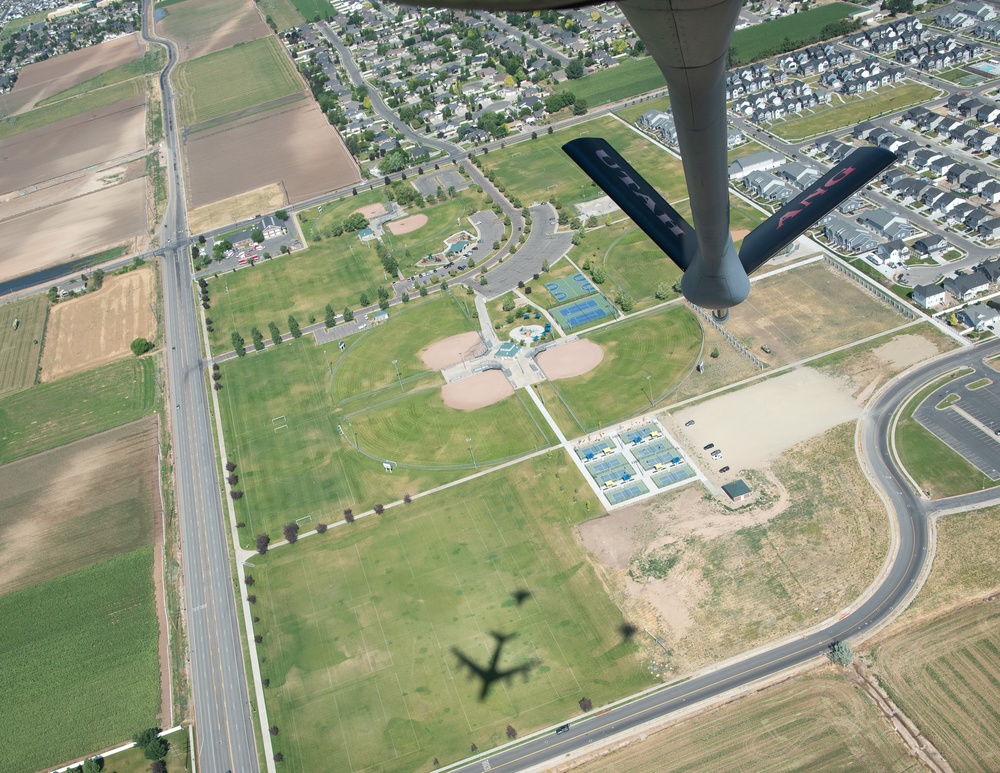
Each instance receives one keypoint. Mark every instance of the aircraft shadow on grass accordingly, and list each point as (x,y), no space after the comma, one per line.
(491,673)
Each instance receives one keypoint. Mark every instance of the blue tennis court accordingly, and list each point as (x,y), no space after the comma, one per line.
(610,470)
(664,479)
(594,450)
(630,491)
(579,313)
(570,287)
(507,349)
(641,435)
(658,455)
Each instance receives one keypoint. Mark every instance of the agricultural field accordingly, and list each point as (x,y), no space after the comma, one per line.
(100,497)
(99,327)
(73,106)
(207,217)
(815,722)
(629,79)
(150,63)
(234,79)
(283,13)
(80,669)
(943,675)
(826,119)
(759,41)
(663,345)
(360,626)
(50,415)
(541,170)
(292,415)
(306,157)
(201,27)
(20,347)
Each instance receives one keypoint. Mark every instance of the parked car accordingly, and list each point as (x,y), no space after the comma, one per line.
(724,469)
(710,446)
(716,454)
(689,422)
(562,729)
(766,349)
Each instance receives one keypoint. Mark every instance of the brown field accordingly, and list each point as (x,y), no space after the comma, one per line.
(38,157)
(303,153)
(74,228)
(203,26)
(406,225)
(477,390)
(98,328)
(239,207)
(944,674)
(44,79)
(449,351)
(20,347)
(570,360)
(805,311)
(815,722)
(81,503)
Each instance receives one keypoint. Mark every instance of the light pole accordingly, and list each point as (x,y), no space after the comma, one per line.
(468,440)
(648,381)
(398,376)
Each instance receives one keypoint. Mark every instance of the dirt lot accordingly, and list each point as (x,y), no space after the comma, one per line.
(240,207)
(98,328)
(203,26)
(449,351)
(44,79)
(304,153)
(477,390)
(569,360)
(38,157)
(75,228)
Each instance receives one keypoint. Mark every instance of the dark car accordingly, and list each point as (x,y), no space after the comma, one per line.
(766,349)
(710,446)
(562,729)
(724,469)
(689,422)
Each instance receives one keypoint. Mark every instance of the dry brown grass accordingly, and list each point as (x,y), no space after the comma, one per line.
(81,503)
(99,327)
(814,722)
(266,198)
(203,26)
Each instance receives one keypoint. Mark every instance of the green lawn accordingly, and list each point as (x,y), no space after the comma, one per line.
(152,62)
(233,79)
(49,415)
(540,170)
(836,116)
(313,9)
(79,669)
(67,108)
(20,348)
(283,13)
(632,113)
(759,41)
(629,79)
(281,410)
(360,626)
(663,345)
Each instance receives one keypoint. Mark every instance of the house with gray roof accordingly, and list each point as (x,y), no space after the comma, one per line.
(929,296)
(967,286)
(761,161)
(979,317)
(847,236)
(887,224)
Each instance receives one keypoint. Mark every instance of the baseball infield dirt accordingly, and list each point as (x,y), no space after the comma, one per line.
(477,390)
(569,360)
(407,224)
(448,351)
(98,328)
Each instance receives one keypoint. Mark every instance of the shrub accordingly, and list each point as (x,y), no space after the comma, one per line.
(586,704)
(379,509)
(248,580)
(407,499)
(230,466)
(321,528)
(236,494)
(511,732)
(349,515)
(273,730)
(258,638)
(140,346)
(252,598)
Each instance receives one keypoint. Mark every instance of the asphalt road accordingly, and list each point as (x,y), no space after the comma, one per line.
(221,704)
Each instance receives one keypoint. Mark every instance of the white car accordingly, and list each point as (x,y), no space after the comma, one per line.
(362,326)
(716,454)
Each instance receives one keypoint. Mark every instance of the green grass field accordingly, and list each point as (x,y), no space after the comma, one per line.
(837,116)
(80,669)
(540,170)
(283,12)
(67,108)
(753,43)
(21,348)
(233,79)
(359,625)
(629,79)
(664,345)
(49,415)
(134,760)
(151,62)
(632,113)
(23,21)
(281,410)
(313,9)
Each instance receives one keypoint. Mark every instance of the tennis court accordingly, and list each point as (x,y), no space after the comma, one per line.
(630,491)
(641,435)
(657,456)
(571,287)
(579,313)
(664,479)
(610,470)
(594,450)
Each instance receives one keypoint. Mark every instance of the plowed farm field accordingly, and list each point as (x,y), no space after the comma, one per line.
(203,26)
(302,152)
(98,328)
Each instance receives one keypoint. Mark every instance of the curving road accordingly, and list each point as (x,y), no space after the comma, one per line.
(221,704)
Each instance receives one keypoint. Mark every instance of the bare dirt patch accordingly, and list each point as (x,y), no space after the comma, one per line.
(99,497)
(43,155)
(905,350)
(305,155)
(570,360)
(240,207)
(98,328)
(737,235)
(41,80)
(203,26)
(372,210)
(406,224)
(75,228)
(448,351)
(477,390)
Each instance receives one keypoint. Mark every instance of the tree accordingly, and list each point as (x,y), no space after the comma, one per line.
(281,214)
(273,730)
(263,540)
(662,291)
(407,499)
(841,653)
(364,300)
(293,326)
(278,756)
(230,466)
(140,346)
(154,747)
(348,515)
(291,531)
(238,344)
(158,766)
(331,316)
(422,292)
(321,528)
(624,301)
(93,765)
(511,732)
(257,235)
(248,580)
(574,69)
(599,275)
(379,509)
(508,302)
(348,314)
(258,338)
(275,333)
(586,704)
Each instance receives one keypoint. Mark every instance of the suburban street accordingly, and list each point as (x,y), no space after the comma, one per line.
(225,740)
